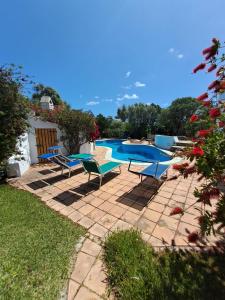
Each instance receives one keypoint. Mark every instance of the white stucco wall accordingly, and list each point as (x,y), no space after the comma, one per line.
(37,123)
(18,164)
(27,145)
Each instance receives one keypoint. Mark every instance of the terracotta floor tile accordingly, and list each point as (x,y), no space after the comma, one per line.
(86,222)
(136,208)
(185,229)
(155,242)
(91,247)
(78,204)
(96,214)
(86,294)
(75,216)
(130,217)
(178,198)
(67,211)
(98,230)
(168,222)
(152,215)
(96,279)
(117,211)
(164,234)
(107,221)
(96,202)
(190,219)
(86,209)
(106,206)
(180,240)
(160,199)
(72,289)
(156,206)
(165,194)
(105,196)
(82,266)
(145,225)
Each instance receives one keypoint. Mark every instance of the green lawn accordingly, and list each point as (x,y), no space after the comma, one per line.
(36,246)
(136,272)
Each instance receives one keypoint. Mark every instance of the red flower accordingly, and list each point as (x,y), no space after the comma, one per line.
(180,166)
(204,132)
(193,237)
(176,211)
(193,118)
(202,97)
(199,67)
(214,112)
(210,55)
(211,68)
(221,124)
(206,103)
(215,41)
(207,50)
(197,151)
(214,84)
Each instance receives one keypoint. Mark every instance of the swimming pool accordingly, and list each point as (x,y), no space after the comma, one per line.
(123,152)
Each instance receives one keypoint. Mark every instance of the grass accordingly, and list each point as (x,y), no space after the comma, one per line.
(136,272)
(36,246)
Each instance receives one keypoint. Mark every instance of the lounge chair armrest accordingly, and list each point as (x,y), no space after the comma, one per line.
(145,161)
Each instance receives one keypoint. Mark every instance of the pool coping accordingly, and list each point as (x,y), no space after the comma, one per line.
(108,155)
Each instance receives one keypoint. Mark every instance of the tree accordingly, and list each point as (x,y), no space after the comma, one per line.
(13,110)
(76,126)
(207,157)
(122,113)
(173,120)
(142,119)
(41,90)
(104,124)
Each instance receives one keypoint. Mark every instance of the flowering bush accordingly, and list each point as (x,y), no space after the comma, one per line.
(207,157)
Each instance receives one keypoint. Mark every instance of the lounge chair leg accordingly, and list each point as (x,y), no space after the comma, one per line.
(69,173)
(89,176)
(120,169)
(62,171)
(100,179)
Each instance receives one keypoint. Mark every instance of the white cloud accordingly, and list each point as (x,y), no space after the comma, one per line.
(107,100)
(171,50)
(128,97)
(92,103)
(96,97)
(176,53)
(128,74)
(180,56)
(139,84)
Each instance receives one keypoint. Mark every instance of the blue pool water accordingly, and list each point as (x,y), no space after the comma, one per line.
(124,152)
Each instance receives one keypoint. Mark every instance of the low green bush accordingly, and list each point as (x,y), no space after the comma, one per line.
(137,272)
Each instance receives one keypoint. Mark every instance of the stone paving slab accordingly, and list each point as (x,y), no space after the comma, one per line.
(122,202)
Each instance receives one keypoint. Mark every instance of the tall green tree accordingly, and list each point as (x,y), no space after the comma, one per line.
(41,90)
(122,113)
(104,124)
(174,119)
(13,110)
(142,119)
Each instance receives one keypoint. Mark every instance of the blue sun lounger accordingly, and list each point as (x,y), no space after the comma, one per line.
(155,170)
(60,160)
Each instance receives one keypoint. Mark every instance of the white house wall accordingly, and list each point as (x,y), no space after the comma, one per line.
(37,123)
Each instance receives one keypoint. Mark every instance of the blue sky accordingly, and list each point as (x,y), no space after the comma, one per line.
(100,54)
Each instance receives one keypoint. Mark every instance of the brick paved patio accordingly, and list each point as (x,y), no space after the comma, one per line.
(121,203)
